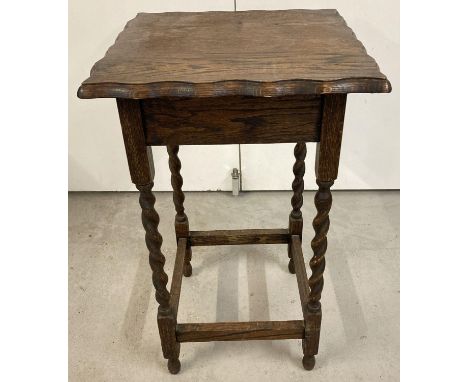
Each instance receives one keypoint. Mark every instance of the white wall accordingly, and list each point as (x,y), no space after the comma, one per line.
(370,150)
(370,156)
(96,157)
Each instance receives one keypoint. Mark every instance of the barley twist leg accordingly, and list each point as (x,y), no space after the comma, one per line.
(313,310)
(295,217)
(181,220)
(166,320)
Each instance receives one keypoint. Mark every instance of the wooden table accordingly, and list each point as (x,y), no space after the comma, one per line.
(235,78)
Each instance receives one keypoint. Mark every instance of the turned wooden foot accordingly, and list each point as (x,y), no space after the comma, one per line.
(187,270)
(173,365)
(308,362)
(291,267)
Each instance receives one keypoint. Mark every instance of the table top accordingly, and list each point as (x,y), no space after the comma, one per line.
(251,53)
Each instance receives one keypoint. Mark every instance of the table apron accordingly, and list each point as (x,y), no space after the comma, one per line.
(231,120)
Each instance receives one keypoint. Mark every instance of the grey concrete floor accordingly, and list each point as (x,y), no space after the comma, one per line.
(113,332)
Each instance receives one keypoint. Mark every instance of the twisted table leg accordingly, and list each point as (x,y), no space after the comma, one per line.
(181,220)
(153,238)
(313,311)
(295,217)
(321,224)
(166,320)
(141,166)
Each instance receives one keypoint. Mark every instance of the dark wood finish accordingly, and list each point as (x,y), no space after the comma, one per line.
(153,238)
(197,121)
(141,168)
(301,274)
(226,78)
(253,53)
(295,217)
(321,224)
(308,360)
(326,170)
(313,311)
(327,156)
(181,222)
(139,156)
(140,163)
(238,237)
(240,331)
(176,283)
(166,319)
(170,346)
(187,261)
(312,320)
(310,342)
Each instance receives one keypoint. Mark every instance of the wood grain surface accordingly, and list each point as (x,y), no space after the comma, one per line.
(240,331)
(256,53)
(239,237)
(229,120)
(176,283)
(139,156)
(301,273)
(327,151)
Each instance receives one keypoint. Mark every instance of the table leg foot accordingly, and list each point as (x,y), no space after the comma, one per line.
(187,270)
(308,361)
(291,267)
(173,365)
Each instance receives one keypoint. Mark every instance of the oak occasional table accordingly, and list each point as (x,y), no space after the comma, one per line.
(235,78)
